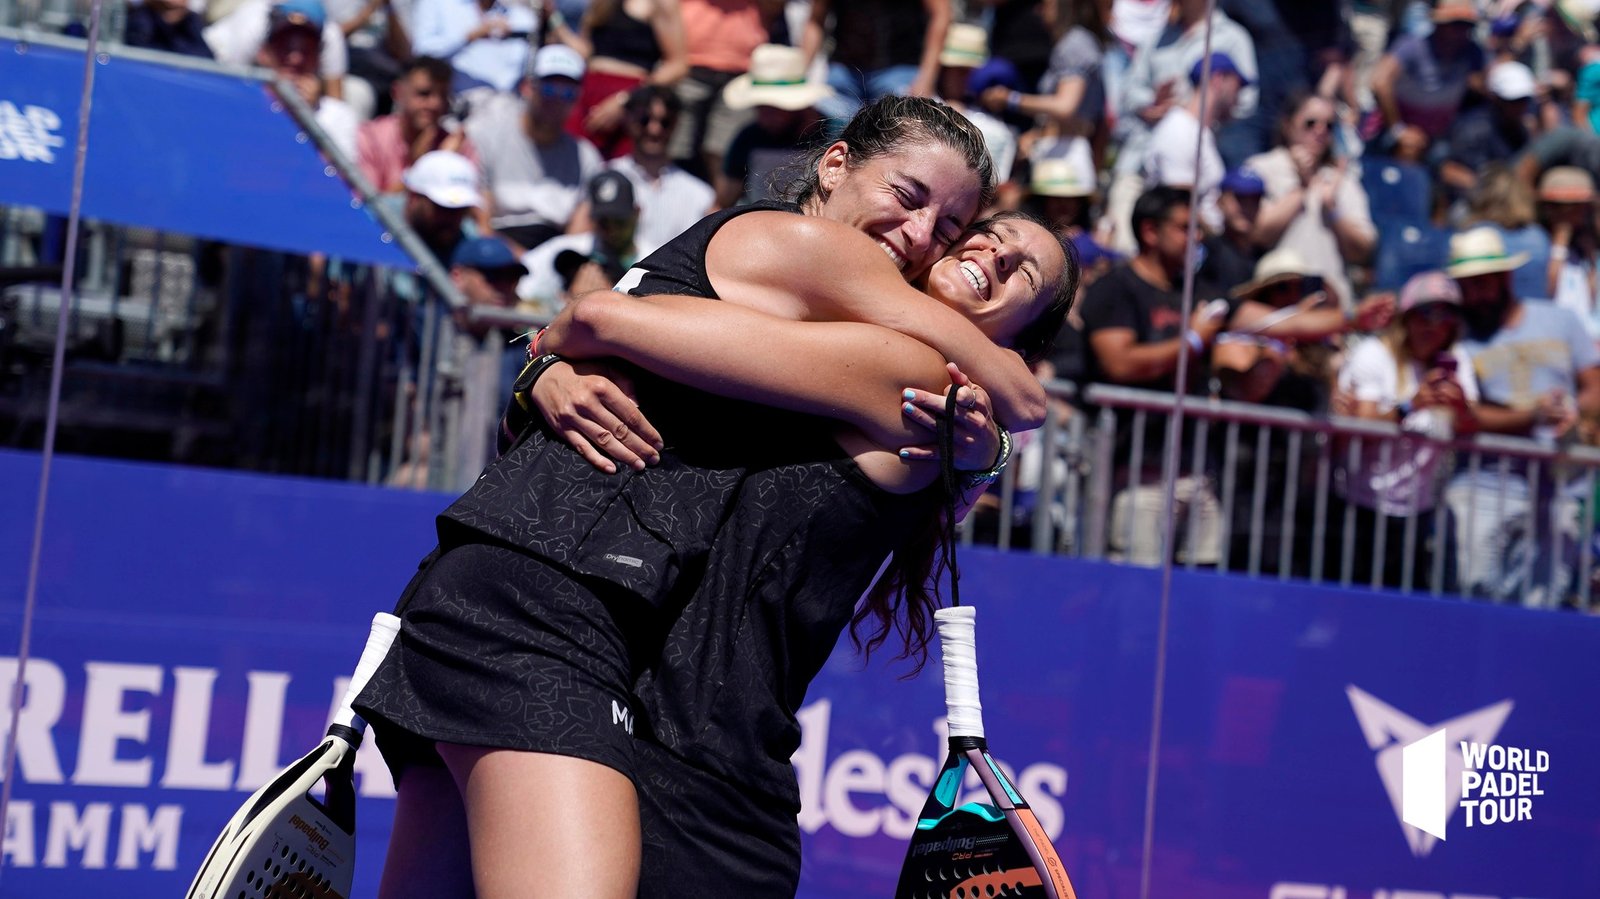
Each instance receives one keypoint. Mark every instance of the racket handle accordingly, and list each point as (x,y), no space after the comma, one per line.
(962,708)
(384,629)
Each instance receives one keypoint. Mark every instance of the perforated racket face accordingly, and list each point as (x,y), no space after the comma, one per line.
(300,854)
(978,850)
(968,854)
(282,844)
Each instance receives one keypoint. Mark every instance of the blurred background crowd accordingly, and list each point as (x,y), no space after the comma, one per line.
(1395,206)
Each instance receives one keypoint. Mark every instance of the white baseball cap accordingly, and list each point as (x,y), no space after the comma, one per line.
(1512,81)
(447,178)
(558,60)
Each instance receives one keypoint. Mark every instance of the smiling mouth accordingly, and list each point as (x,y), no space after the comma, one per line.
(976,278)
(894,255)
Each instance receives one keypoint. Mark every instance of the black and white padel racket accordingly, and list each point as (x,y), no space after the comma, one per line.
(285,843)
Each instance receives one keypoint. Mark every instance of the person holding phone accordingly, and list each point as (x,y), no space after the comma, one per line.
(1413,374)
(1314,201)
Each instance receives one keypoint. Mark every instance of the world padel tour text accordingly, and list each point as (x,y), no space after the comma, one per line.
(1498,783)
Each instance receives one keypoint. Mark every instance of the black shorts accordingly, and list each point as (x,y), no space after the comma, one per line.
(705,836)
(502,649)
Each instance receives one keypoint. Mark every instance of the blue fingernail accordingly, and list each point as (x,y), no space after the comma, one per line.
(908,394)
(905,454)
(908,407)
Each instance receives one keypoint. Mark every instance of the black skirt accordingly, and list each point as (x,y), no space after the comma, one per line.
(502,649)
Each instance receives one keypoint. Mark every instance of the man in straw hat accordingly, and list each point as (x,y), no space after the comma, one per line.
(1538,372)
(786,122)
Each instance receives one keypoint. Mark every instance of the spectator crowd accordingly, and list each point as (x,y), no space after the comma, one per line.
(1394,203)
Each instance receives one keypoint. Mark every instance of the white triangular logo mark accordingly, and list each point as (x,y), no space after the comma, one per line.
(1432,799)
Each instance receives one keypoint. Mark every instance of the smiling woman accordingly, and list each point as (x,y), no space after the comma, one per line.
(568,594)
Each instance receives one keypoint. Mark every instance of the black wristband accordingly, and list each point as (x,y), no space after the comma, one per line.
(530,374)
(979,478)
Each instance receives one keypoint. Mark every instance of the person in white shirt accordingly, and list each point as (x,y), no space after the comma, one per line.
(238,38)
(1415,374)
(966,51)
(291,52)
(669,198)
(1155,82)
(486,41)
(1170,158)
(571,264)
(536,171)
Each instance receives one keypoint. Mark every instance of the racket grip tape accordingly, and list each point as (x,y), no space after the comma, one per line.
(963,710)
(385,627)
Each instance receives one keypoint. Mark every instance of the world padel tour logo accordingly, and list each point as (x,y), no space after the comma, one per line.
(1432,770)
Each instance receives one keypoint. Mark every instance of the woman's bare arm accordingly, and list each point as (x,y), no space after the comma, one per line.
(843,370)
(812,269)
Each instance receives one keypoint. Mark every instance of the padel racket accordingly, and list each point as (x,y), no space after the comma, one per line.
(977,849)
(284,843)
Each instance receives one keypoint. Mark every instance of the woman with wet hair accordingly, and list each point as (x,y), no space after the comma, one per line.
(513,710)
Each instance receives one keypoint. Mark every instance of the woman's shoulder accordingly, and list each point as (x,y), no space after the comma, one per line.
(795,232)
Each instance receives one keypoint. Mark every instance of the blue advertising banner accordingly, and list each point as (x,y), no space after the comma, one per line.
(175,149)
(194,628)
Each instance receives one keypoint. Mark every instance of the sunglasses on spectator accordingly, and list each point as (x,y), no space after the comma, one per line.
(1435,312)
(666,120)
(555,90)
(1294,289)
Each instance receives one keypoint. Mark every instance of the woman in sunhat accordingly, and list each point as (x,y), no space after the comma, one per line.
(1413,374)
(1566,208)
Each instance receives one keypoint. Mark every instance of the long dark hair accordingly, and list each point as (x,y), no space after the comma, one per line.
(904,598)
(893,123)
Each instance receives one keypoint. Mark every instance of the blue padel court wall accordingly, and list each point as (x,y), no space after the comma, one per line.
(193,628)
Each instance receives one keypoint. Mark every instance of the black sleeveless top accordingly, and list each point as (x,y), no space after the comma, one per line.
(756,534)
(800,541)
(627,39)
(640,530)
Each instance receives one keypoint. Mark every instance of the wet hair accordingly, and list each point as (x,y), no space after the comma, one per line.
(890,124)
(1156,205)
(904,598)
(642,98)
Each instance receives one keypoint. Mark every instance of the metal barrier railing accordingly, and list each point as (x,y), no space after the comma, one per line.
(195,351)
(1270,492)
